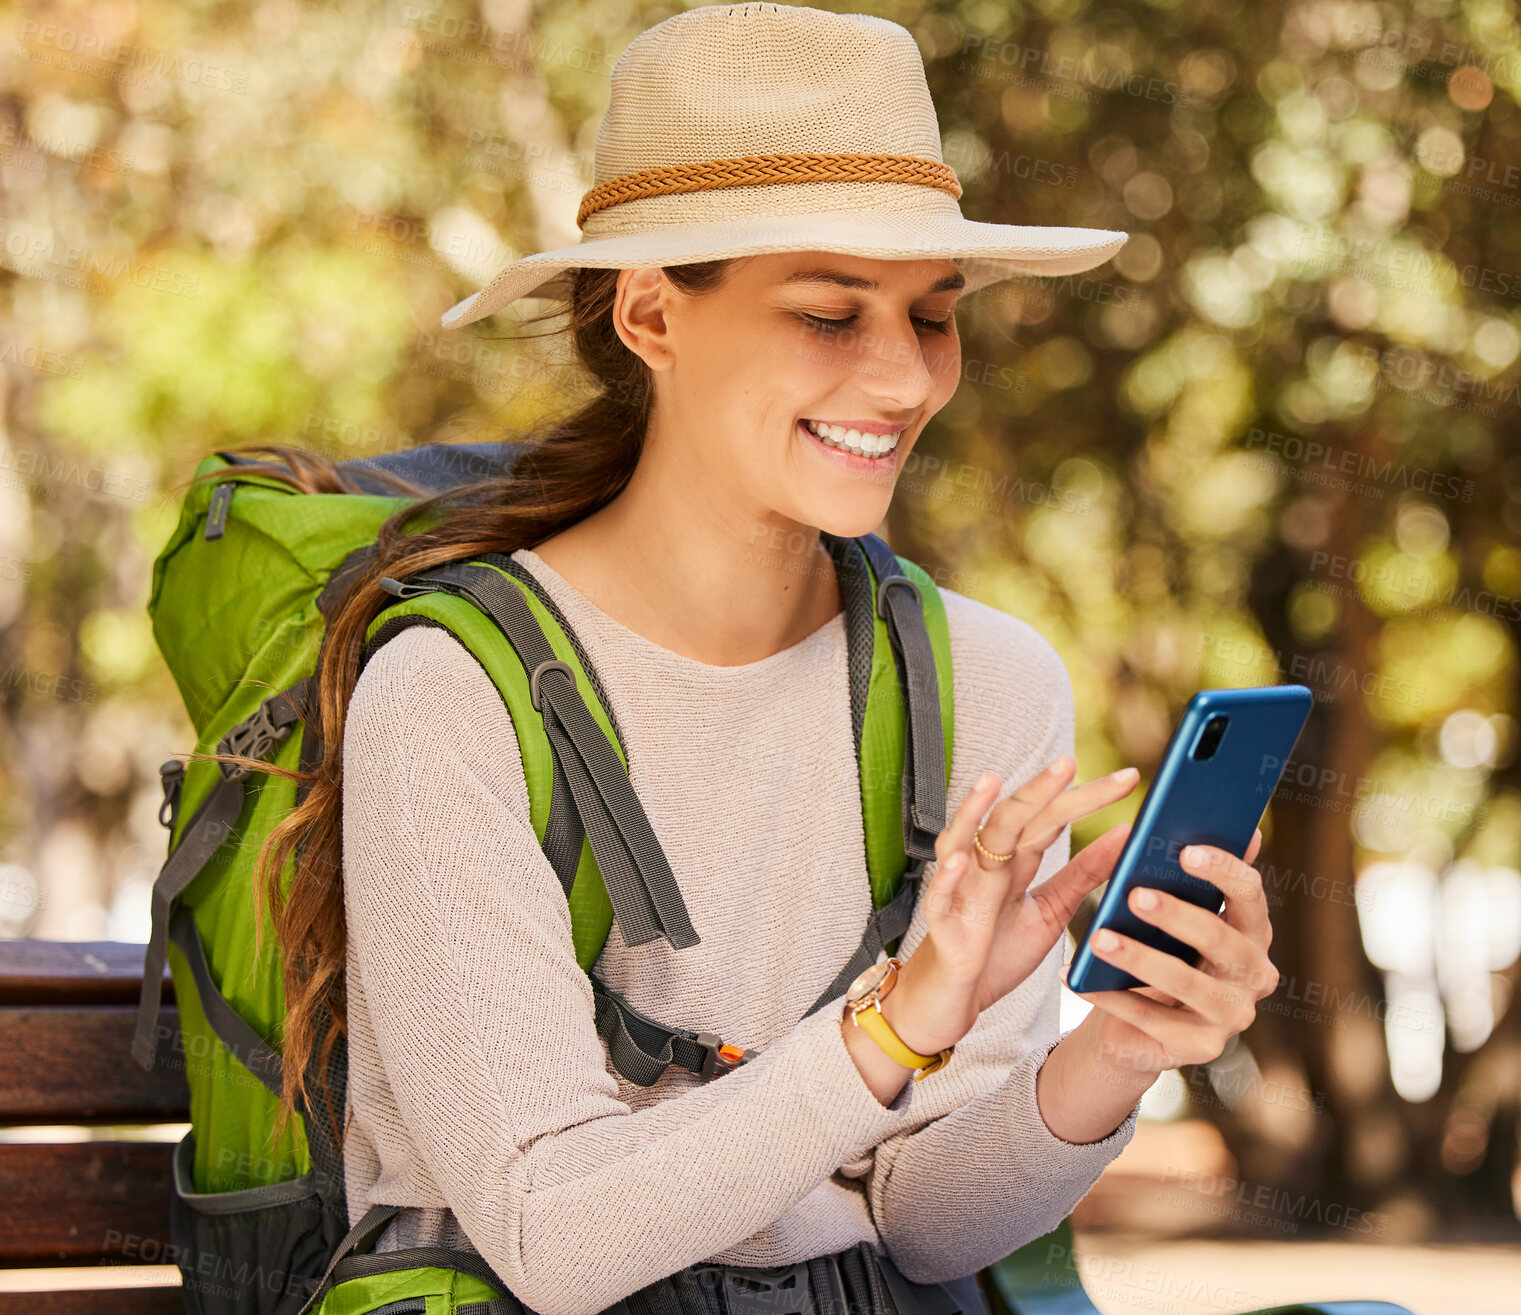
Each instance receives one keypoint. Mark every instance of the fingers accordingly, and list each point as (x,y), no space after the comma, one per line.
(1224,1004)
(1235,958)
(1090,869)
(1251,850)
(1033,795)
(1245,900)
(1183,1037)
(1030,819)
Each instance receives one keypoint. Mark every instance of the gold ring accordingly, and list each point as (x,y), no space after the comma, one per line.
(987,853)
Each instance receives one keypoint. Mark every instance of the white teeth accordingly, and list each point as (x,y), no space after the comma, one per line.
(853,440)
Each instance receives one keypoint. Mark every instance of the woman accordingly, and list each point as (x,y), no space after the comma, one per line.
(746,324)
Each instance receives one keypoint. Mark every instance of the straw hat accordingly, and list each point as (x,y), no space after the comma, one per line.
(744,129)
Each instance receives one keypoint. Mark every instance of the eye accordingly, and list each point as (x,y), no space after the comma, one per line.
(827,326)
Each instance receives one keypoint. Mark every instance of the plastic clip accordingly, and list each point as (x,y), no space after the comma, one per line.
(782,1290)
(252,738)
(717,1058)
(171,776)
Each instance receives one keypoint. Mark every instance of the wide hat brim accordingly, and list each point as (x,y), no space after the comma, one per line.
(985,253)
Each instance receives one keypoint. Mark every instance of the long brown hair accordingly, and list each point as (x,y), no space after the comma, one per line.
(578,465)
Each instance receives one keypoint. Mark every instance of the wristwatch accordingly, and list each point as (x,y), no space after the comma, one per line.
(864,998)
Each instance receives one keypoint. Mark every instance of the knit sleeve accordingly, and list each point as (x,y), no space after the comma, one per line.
(484,1022)
(975,1173)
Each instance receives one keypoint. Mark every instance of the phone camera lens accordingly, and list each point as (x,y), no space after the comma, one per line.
(1209,737)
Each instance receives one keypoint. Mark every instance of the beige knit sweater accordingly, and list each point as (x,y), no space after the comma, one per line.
(479,1088)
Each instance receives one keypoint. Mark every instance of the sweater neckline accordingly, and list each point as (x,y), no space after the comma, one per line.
(827,636)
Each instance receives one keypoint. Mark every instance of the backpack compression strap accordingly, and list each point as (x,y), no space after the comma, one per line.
(255,736)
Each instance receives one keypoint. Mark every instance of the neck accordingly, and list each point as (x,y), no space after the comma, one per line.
(682,564)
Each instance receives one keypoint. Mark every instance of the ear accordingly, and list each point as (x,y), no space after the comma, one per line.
(640,318)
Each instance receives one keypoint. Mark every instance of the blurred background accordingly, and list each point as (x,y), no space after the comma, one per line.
(1277,438)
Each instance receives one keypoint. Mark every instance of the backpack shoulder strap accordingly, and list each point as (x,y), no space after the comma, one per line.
(901,695)
(570,752)
(902,705)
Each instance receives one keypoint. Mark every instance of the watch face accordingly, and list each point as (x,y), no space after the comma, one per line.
(868,981)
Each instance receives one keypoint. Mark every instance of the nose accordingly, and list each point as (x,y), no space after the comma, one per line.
(893,367)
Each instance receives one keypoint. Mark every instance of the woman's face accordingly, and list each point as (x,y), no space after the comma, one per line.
(758,383)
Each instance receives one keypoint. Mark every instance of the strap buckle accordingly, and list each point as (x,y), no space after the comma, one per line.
(717,1058)
(253,737)
(782,1290)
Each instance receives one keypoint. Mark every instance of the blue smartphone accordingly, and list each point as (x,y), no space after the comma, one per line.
(1217,775)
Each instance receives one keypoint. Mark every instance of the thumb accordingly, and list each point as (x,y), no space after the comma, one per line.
(1092,867)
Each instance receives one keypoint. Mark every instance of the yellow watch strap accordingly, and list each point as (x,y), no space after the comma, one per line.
(882,1033)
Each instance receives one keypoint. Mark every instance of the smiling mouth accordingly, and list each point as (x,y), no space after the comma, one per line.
(872,446)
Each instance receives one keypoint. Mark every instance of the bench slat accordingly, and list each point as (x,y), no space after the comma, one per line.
(34,972)
(70,1064)
(78,1202)
(164,1299)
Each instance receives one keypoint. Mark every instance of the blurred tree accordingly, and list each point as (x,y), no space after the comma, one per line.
(1273,440)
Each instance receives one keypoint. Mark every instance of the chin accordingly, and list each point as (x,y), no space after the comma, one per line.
(850,520)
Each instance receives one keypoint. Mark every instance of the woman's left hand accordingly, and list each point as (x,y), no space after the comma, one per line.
(1186,1015)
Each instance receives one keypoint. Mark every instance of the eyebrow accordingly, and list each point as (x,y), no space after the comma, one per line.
(950,283)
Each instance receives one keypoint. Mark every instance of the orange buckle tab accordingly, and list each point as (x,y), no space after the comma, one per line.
(717,1058)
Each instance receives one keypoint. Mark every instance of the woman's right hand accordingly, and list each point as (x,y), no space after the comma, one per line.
(986,930)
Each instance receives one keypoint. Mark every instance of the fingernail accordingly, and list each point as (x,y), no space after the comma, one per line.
(1190,854)
(1105,940)
(955,862)
(1146,898)
(985,780)
(1124,774)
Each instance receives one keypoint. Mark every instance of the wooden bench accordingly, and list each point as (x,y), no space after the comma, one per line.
(66,1016)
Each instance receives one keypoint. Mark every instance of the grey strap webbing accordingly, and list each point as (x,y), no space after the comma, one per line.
(255,736)
(352,1259)
(231,1029)
(360,1237)
(634,868)
(563,833)
(924,794)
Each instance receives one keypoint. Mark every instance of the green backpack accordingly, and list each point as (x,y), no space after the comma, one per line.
(240,598)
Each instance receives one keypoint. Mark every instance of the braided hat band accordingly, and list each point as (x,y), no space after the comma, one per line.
(755,128)
(745,170)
